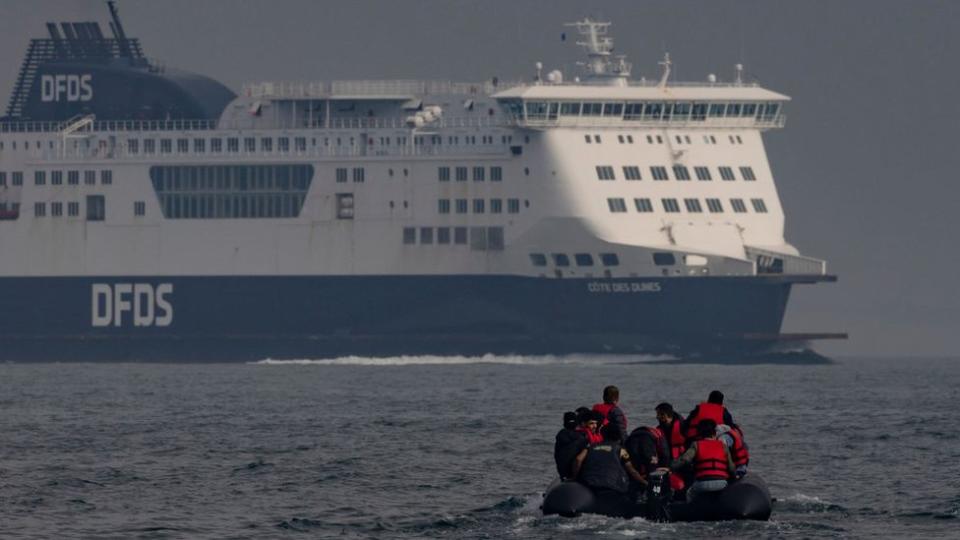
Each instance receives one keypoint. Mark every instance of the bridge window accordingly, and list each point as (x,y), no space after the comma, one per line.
(592,109)
(659,173)
(538,259)
(747,173)
(643,205)
(714,206)
(617,205)
(759,206)
(664,259)
(703,173)
(605,172)
(570,109)
(726,173)
(693,205)
(560,259)
(738,206)
(733,109)
(698,111)
(652,111)
(681,111)
(670,206)
(631,172)
(613,109)
(633,111)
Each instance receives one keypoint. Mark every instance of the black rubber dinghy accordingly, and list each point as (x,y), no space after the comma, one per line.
(747,498)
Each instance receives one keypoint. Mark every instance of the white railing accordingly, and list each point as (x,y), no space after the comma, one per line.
(619,121)
(110,125)
(401,88)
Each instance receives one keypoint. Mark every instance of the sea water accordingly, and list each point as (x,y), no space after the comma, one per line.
(421,447)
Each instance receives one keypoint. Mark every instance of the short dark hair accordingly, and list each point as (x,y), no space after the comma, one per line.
(598,416)
(665,408)
(706,428)
(569,420)
(584,416)
(716,397)
(611,394)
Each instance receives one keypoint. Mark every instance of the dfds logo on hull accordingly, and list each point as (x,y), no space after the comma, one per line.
(66,88)
(131,304)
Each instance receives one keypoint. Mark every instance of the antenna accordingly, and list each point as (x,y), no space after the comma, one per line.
(739,78)
(117,28)
(665,63)
(601,63)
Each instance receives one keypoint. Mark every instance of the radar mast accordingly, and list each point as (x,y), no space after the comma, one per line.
(602,65)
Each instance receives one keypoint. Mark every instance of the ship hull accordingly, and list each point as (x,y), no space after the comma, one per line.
(231,318)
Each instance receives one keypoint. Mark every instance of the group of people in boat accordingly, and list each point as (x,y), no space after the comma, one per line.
(704,451)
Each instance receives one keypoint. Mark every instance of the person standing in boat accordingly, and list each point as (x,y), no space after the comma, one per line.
(712,464)
(610,409)
(711,409)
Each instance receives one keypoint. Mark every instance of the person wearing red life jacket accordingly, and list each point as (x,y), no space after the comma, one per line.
(610,409)
(733,439)
(588,423)
(712,464)
(670,424)
(711,409)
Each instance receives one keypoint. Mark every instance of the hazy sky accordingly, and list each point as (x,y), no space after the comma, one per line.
(868,166)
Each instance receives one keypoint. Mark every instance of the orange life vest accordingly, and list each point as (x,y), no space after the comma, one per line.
(739,451)
(711,460)
(705,411)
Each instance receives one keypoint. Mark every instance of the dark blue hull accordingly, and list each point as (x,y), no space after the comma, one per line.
(227,318)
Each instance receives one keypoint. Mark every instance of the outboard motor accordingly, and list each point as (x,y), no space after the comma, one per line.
(659,495)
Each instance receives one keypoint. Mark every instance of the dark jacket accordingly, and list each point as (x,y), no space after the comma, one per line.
(568,444)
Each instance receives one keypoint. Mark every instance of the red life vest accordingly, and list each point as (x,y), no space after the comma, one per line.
(739,451)
(677,444)
(592,436)
(705,411)
(604,409)
(711,460)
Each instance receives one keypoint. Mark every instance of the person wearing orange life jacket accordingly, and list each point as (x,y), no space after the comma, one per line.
(711,409)
(588,422)
(733,439)
(610,409)
(670,424)
(712,465)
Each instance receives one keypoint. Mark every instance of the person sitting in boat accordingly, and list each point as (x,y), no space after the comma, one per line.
(711,409)
(606,466)
(569,442)
(648,451)
(712,464)
(671,425)
(610,409)
(588,422)
(732,437)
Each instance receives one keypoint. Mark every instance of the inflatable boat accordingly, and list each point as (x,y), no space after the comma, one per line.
(746,498)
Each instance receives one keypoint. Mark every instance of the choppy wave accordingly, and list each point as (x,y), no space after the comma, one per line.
(448,360)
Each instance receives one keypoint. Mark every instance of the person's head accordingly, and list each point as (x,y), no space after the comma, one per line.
(569,420)
(707,429)
(587,419)
(715,397)
(665,413)
(611,432)
(611,394)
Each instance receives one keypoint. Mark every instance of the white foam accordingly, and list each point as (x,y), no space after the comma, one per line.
(449,360)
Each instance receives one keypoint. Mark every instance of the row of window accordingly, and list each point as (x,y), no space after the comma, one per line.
(479,239)
(479,206)
(461,174)
(658,139)
(693,206)
(659,111)
(680,173)
(96,208)
(582,259)
(58,178)
(229,179)
(233,206)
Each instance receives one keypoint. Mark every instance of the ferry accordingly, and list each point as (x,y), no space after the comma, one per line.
(152,214)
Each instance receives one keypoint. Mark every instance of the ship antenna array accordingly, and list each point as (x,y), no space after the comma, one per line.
(601,62)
